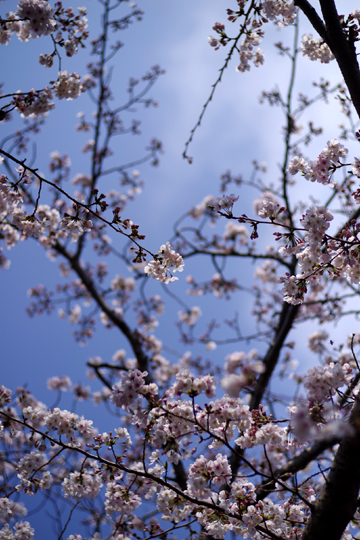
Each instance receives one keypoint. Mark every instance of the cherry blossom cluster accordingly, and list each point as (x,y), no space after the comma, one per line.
(236,233)
(190,317)
(204,473)
(120,499)
(315,341)
(27,467)
(35,104)
(171,425)
(9,200)
(223,204)
(320,417)
(241,371)
(82,484)
(286,518)
(322,381)
(202,208)
(320,169)
(247,52)
(46,223)
(63,422)
(119,283)
(267,272)
(10,509)
(130,387)
(187,384)
(59,383)
(68,86)
(316,222)
(309,253)
(259,203)
(173,507)
(166,261)
(21,531)
(263,434)
(347,263)
(38,17)
(10,195)
(316,50)
(35,18)
(75,226)
(282,12)
(270,209)
(339,259)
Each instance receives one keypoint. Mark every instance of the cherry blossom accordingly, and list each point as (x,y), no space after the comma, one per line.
(314,49)
(39,14)
(68,86)
(167,261)
(224,204)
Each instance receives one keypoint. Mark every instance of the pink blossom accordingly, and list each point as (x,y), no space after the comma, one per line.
(223,204)
(127,390)
(166,262)
(39,14)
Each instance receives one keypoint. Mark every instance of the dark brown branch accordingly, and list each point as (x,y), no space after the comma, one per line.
(284,326)
(337,502)
(313,17)
(99,375)
(343,49)
(295,465)
(180,475)
(286,321)
(132,336)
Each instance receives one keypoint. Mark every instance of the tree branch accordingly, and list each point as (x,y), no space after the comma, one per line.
(337,502)
(286,321)
(284,326)
(313,17)
(343,50)
(334,36)
(132,336)
(296,464)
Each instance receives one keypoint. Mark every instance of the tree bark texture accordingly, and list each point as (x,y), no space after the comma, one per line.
(337,501)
